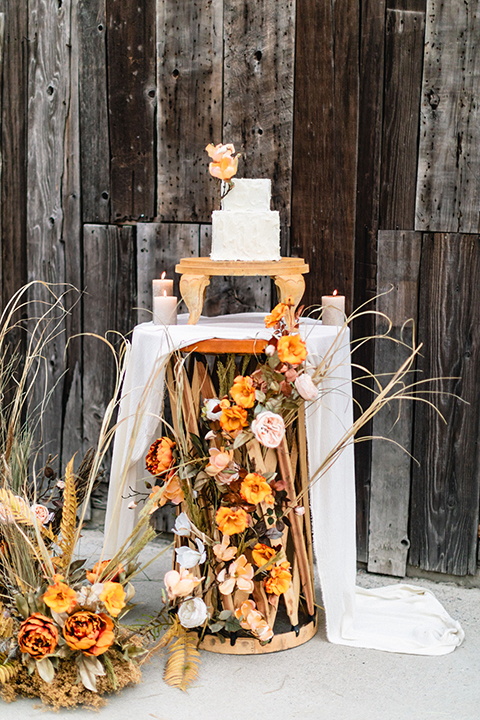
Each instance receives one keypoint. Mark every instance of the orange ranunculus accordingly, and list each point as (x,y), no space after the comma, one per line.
(171,492)
(255,489)
(243,391)
(291,349)
(92,633)
(180,584)
(159,458)
(279,580)
(113,597)
(233,419)
(276,315)
(95,574)
(251,619)
(231,521)
(38,636)
(59,596)
(261,554)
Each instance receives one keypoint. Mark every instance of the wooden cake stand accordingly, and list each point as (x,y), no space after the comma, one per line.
(196,273)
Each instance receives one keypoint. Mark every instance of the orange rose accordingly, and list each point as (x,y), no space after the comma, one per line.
(38,636)
(276,315)
(243,391)
(279,580)
(225,169)
(95,574)
(113,597)
(159,458)
(217,152)
(261,554)
(233,419)
(92,633)
(255,489)
(291,349)
(170,492)
(59,596)
(231,521)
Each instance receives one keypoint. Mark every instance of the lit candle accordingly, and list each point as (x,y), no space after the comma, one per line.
(333,309)
(165,309)
(159,287)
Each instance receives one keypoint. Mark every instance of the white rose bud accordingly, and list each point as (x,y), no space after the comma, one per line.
(270,350)
(305,387)
(192,613)
(209,409)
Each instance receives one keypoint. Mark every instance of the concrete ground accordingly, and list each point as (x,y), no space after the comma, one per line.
(318,680)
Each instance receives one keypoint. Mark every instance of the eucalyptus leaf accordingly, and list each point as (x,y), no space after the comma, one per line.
(216,627)
(242,438)
(260,396)
(46,669)
(232,625)
(225,615)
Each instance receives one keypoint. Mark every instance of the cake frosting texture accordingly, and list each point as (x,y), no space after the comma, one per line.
(245,228)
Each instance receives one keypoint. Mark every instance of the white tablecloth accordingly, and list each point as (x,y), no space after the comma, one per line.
(398,618)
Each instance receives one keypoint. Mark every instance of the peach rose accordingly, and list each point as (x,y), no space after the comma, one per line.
(255,489)
(42,513)
(113,597)
(59,596)
(159,458)
(225,169)
(233,419)
(92,633)
(38,636)
(243,391)
(219,460)
(305,387)
(268,428)
(180,584)
(276,315)
(217,152)
(279,580)
(231,521)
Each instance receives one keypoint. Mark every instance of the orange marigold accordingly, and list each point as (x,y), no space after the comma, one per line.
(231,521)
(159,458)
(59,596)
(38,636)
(233,419)
(243,391)
(92,633)
(95,574)
(113,597)
(276,315)
(255,489)
(261,554)
(279,580)
(291,349)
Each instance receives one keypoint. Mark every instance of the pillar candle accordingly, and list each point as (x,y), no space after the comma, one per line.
(159,287)
(165,309)
(333,309)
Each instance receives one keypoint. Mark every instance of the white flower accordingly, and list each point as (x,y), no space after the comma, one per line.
(188,558)
(192,612)
(299,510)
(270,350)
(132,505)
(182,526)
(305,387)
(209,409)
(89,597)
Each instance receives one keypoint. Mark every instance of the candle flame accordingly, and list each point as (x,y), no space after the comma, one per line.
(164,293)
(163,275)
(335,292)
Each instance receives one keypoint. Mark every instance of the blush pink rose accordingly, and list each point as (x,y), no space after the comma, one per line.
(219,460)
(42,513)
(268,429)
(305,387)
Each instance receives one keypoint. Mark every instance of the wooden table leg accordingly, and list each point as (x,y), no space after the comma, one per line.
(293,285)
(192,289)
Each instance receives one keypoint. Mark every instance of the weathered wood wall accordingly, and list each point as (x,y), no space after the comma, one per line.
(364,114)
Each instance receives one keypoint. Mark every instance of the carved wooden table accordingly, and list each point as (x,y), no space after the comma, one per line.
(287,274)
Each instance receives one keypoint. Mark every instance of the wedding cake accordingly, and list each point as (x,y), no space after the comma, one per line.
(245,228)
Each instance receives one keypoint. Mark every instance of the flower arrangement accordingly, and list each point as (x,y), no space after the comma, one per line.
(228,466)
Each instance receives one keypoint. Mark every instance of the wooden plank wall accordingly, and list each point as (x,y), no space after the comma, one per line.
(365,115)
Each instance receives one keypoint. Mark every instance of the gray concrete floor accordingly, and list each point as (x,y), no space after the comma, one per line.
(318,680)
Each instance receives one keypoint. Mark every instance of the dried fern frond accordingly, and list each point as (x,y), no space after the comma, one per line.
(182,665)
(68,524)
(8,670)
(17,507)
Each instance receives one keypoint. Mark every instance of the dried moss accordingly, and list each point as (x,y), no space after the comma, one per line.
(64,691)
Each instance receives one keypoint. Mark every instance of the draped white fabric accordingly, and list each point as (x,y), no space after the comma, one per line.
(397,618)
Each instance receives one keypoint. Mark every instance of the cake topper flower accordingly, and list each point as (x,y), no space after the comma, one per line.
(224,163)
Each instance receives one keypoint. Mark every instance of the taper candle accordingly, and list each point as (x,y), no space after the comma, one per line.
(333,309)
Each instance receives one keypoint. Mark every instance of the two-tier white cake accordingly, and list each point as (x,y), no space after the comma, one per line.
(245,228)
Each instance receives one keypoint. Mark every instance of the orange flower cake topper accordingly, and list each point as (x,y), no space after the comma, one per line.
(224,163)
